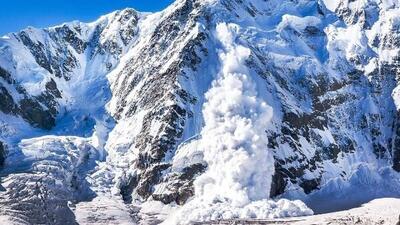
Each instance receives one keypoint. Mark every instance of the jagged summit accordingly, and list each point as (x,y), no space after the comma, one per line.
(207,110)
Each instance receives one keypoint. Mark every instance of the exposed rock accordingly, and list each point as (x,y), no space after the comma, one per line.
(7,104)
(36,115)
(2,154)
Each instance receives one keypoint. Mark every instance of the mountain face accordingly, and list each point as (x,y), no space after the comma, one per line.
(209,109)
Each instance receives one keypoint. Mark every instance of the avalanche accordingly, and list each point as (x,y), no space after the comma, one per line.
(239,171)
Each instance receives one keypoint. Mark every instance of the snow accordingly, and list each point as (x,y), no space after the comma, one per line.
(263,209)
(16,57)
(74,150)
(332,5)
(103,211)
(298,23)
(188,153)
(396,97)
(4,219)
(355,187)
(239,173)
(378,211)
(233,135)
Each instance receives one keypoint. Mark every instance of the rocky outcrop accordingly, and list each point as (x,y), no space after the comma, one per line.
(164,101)
(34,114)
(316,124)
(39,111)
(395,146)
(2,154)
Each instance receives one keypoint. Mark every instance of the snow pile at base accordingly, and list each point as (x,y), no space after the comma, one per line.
(238,179)
(378,211)
(201,210)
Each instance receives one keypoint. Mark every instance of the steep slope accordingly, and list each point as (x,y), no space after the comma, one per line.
(205,110)
(57,74)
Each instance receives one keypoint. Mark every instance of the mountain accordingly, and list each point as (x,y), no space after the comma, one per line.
(210,109)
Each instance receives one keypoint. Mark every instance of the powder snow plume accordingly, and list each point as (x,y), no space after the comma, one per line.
(239,174)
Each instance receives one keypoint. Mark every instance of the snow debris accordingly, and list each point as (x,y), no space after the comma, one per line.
(240,168)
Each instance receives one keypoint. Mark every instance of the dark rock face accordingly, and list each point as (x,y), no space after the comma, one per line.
(279,181)
(295,127)
(65,33)
(59,62)
(2,154)
(30,108)
(131,18)
(34,114)
(180,185)
(6,76)
(396,145)
(365,16)
(7,104)
(38,50)
(165,101)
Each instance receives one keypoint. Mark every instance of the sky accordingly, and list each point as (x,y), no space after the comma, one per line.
(18,14)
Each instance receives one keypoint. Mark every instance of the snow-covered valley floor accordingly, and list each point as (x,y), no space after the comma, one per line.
(384,211)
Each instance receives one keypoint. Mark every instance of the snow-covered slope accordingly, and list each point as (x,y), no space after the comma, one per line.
(209,109)
(378,211)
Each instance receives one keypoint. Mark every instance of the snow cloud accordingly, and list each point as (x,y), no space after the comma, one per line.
(234,144)
(233,138)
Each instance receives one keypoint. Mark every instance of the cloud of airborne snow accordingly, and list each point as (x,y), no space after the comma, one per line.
(234,144)
(233,138)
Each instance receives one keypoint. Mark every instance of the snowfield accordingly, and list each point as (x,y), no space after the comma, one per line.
(379,211)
